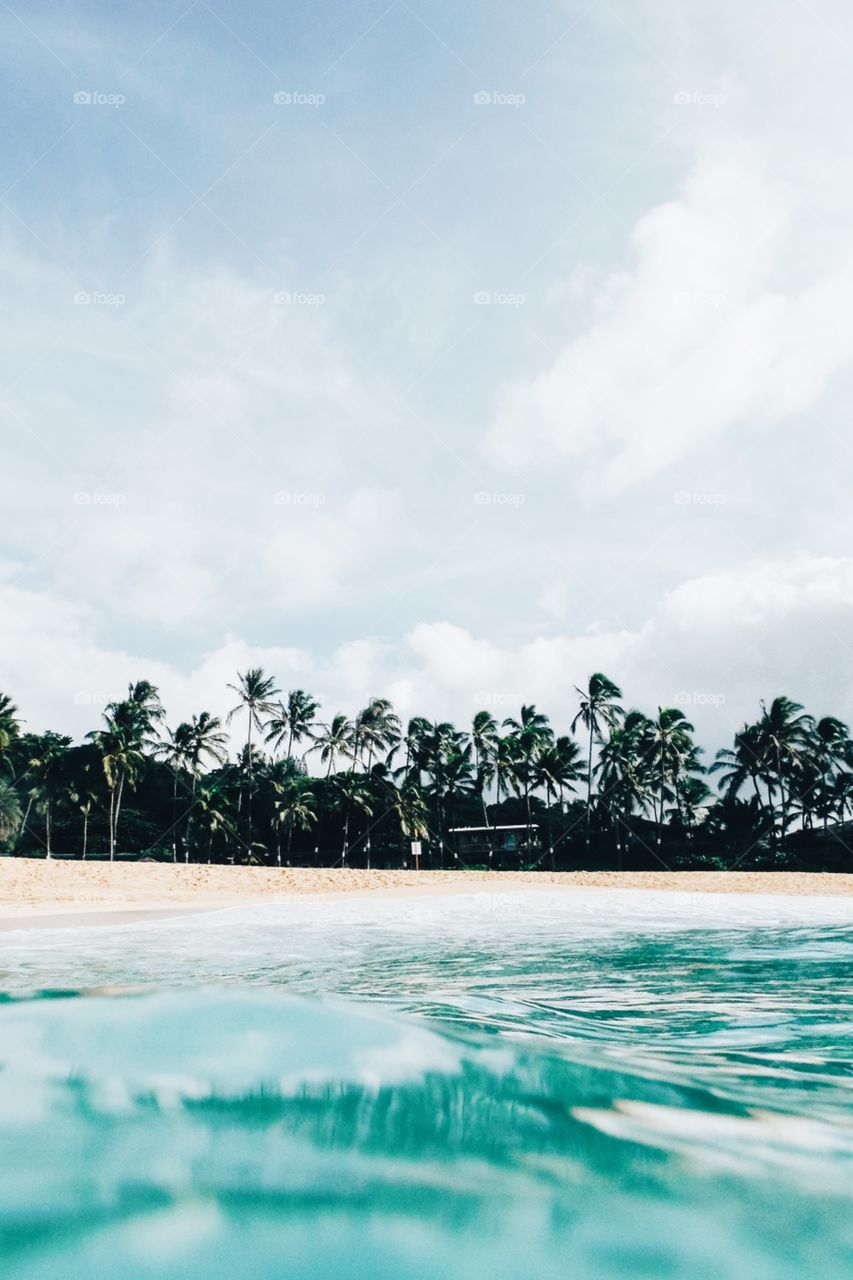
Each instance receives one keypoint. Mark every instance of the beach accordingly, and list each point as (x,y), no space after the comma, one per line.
(35,888)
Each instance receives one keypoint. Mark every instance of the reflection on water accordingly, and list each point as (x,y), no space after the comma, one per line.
(509,1086)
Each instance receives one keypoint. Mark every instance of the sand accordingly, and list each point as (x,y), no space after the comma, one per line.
(40,890)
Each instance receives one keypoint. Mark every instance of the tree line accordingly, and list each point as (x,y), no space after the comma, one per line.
(617,788)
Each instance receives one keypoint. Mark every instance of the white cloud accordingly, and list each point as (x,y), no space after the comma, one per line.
(182,455)
(711,328)
(715,645)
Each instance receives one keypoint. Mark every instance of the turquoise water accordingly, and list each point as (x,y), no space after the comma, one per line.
(514,1085)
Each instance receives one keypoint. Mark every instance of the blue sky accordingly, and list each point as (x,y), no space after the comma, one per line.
(448,352)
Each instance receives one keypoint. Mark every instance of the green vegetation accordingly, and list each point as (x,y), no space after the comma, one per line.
(633,792)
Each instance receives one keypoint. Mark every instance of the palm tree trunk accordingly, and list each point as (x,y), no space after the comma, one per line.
(589,789)
(346,834)
(111,822)
(175,816)
(662,789)
(24,821)
(116,815)
(249,796)
(85,831)
(783,797)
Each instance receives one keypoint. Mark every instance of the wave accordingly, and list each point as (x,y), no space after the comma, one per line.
(432,1094)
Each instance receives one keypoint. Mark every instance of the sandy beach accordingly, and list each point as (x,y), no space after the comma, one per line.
(35,888)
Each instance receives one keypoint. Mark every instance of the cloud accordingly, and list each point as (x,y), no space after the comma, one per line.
(183,453)
(714,645)
(711,328)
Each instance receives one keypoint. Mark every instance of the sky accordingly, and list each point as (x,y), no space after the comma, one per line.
(440,352)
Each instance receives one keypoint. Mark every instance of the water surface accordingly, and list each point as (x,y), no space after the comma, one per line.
(596,1084)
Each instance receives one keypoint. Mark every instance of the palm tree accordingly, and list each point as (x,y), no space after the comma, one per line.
(46,769)
(377,729)
(256,691)
(84,776)
(743,761)
(598,710)
(207,739)
(121,760)
(787,734)
(211,813)
(175,751)
(10,811)
(693,795)
(624,774)
(335,741)
(291,722)
(831,741)
(556,767)
(530,733)
(183,750)
(352,792)
(9,722)
(843,786)
(130,725)
(505,762)
(484,739)
(293,806)
(411,809)
(442,746)
(457,778)
(672,754)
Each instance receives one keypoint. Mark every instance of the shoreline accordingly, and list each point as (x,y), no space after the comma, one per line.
(60,894)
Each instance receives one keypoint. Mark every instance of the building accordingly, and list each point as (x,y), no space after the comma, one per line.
(487,844)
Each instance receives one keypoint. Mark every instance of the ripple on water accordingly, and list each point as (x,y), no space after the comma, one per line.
(529,1085)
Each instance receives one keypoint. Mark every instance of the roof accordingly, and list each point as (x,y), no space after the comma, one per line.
(516,826)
